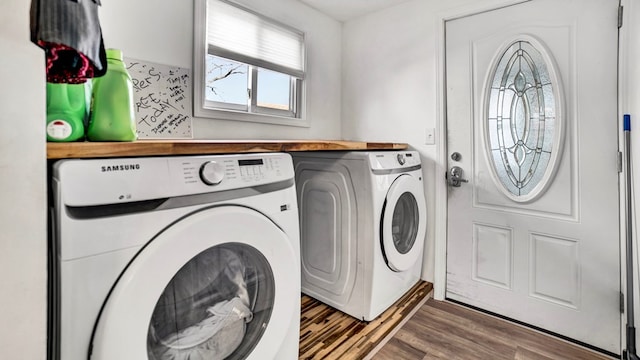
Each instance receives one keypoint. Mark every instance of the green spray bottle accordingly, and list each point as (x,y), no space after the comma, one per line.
(112,109)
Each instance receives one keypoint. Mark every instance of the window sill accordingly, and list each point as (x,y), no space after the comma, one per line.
(250,117)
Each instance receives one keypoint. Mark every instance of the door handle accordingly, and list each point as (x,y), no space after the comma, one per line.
(455,176)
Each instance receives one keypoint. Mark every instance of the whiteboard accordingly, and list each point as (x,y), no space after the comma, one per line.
(162,96)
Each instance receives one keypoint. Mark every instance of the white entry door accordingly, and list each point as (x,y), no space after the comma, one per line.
(531,124)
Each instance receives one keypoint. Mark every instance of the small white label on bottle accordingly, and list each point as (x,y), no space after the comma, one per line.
(59,129)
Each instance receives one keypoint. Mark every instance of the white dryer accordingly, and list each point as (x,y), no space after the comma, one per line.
(175,258)
(363,224)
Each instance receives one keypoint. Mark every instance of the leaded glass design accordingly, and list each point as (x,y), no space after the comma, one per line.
(521,119)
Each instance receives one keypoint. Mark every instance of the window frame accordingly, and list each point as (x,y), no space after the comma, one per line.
(252,112)
(294,98)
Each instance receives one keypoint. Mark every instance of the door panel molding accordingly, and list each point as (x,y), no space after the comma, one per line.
(492,253)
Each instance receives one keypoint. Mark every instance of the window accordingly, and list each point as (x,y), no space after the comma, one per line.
(523,128)
(246,66)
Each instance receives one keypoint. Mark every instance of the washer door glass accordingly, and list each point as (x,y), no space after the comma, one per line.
(403,223)
(220,283)
(216,307)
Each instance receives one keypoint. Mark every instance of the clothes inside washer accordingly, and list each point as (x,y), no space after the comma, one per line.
(215,337)
(202,313)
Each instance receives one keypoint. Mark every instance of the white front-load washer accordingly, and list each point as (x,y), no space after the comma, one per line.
(175,258)
(362,227)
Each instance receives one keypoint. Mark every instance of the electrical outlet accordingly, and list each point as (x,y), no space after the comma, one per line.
(430,136)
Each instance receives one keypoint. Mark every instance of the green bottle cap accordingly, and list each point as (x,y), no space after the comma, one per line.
(114,54)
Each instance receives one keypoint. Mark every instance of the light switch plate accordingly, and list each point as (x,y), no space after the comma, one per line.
(430,136)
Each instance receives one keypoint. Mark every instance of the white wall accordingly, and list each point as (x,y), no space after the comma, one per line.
(161,31)
(390,84)
(22,188)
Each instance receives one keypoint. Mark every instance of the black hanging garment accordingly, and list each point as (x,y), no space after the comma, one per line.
(69,32)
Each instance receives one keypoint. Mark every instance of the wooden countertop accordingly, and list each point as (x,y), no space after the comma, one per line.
(195,147)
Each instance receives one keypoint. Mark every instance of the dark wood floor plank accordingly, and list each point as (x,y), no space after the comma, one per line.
(396,349)
(524,354)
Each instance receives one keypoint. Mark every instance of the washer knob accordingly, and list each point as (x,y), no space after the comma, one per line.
(401,159)
(211,173)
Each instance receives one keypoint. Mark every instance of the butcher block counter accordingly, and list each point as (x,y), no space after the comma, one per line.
(201,147)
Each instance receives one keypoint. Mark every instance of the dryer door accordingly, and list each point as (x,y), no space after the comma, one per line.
(219,284)
(403,223)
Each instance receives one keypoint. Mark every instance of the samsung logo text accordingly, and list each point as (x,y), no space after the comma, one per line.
(127,167)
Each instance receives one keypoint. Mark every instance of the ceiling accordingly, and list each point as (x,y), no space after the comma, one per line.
(344,10)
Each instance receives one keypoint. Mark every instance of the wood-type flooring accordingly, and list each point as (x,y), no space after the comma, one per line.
(420,328)
(326,333)
(443,330)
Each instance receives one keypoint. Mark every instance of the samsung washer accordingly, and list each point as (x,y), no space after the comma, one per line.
(363,224)
(175,258)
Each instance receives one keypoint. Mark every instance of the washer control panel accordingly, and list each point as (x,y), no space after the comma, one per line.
(233,170)
(138,179)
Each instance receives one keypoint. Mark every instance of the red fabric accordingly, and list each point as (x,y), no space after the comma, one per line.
(66,65)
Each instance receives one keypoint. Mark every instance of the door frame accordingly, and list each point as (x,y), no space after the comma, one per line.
(628,91)
(441,202)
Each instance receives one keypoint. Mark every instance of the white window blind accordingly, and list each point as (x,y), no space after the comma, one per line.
(242,35)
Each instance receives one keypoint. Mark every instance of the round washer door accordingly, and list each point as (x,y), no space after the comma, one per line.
(218,284)
(403,223)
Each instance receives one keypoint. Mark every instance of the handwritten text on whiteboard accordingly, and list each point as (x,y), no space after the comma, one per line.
(162,99)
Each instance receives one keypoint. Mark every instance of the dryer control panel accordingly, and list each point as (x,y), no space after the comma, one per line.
(390,160)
